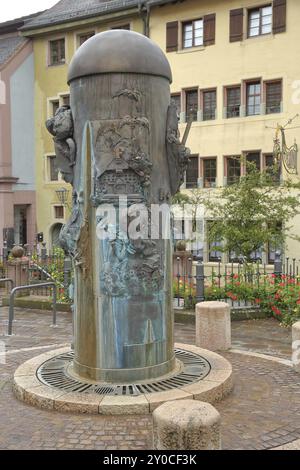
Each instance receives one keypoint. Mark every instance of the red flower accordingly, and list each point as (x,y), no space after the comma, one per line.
(275,310)
(257,301)
(282,284)
(273,275)
(298,302)
(277,296)
(237,283)
(235,276)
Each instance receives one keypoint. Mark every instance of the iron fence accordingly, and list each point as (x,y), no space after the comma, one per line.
(236,283)
(239,284)
(38,267)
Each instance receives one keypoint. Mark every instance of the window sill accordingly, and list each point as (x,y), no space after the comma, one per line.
(191,49)
(57,65)
(261,37)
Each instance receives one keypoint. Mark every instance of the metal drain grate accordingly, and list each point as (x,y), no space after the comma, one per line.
(54,374)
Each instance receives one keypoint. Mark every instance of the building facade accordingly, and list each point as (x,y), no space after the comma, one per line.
(235,70)
(17,155)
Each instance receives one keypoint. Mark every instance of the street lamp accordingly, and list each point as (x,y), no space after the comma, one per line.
(62,195)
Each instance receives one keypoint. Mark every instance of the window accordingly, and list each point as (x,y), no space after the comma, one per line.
(123,26)
(65,100)
(215,255)
(233,258)
(260,21)
(214,252)
(59,212)
(209,98)
(254,158)
(192,33)
(192,172)
(54,107)
(233,101)
(257,255)
(209,171)
(57,52)
(233,170)
(253,98)
(52,168)
(272,168)
(84,37)
(176,99)
(276,246)
(273,97)
(191,104)
(254,256)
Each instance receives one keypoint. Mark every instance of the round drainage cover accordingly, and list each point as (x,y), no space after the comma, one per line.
(54,374)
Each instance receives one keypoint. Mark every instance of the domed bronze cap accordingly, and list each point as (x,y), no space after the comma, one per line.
(119,51)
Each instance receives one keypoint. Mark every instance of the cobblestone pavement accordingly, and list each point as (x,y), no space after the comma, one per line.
(261,336)
(262,412)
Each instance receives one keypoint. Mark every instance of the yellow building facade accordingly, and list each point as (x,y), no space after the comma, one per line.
(235,69)
(252,49)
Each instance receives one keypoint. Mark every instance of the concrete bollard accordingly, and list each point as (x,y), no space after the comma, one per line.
(296,346)
(213,326)
(186,425)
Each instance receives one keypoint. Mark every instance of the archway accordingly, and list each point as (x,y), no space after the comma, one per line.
(55,232)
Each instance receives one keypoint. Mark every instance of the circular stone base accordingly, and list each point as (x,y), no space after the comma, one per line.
(44,382)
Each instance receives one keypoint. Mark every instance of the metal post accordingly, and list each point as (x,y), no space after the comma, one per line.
(11,312)
(44,252)
(278,264)
(71,296)
(67,271)
(5,251)
(32,286)
(8,281)
(200,282)
(54,306)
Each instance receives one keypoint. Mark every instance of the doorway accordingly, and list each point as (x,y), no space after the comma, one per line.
(20,225)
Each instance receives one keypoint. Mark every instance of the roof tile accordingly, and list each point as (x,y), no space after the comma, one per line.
(68,10)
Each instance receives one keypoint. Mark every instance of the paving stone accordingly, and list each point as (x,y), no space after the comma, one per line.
(266,388)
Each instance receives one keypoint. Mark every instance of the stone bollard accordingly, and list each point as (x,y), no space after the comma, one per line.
(186,425)
(296,345)
(18,269)
(213,326)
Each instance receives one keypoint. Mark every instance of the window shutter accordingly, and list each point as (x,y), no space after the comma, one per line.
(279,16)
(236,24)
(172,36)
(209,25)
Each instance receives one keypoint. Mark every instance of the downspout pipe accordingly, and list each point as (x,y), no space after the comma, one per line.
(144,10)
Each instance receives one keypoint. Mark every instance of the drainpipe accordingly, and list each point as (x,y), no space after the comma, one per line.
(144,11)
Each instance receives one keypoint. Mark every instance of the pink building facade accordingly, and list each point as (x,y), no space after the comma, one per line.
(17,166)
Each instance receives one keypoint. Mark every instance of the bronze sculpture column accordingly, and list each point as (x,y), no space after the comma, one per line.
(119,139)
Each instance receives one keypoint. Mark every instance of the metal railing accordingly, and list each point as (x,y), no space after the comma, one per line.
(193,283)
(39,266)
(7,281)
(12,302)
